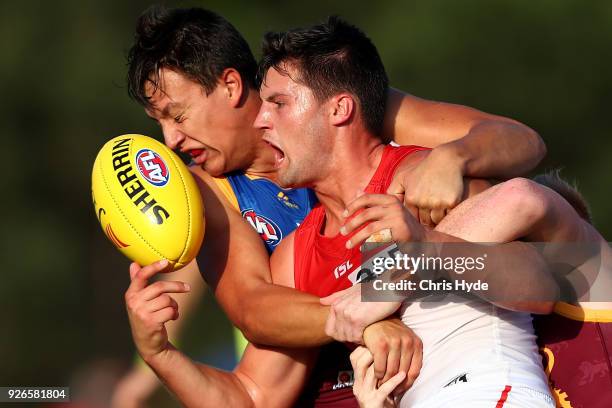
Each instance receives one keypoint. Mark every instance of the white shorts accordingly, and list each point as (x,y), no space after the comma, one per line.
(489,385)
(487,397)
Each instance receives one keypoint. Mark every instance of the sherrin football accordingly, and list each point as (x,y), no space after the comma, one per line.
(147,201)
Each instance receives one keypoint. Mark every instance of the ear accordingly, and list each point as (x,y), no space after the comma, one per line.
(232,86)
(342,109)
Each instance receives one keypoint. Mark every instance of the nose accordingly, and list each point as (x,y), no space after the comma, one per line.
(262,121)
(173,137)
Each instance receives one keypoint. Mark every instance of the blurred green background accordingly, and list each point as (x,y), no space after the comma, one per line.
(62,73)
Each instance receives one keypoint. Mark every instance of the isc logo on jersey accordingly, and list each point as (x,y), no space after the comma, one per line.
(152,167)
(265,227)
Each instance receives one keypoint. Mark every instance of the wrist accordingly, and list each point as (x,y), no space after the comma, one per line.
(155,359)
(453,154)
(369,330)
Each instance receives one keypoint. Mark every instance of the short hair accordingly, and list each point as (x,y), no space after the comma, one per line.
(332,57)
(569,192)
(195,42)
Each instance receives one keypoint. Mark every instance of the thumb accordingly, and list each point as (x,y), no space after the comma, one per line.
(331,299)
(397,189)
(134,268)
(334,297)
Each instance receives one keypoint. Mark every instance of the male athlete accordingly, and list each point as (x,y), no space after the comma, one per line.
(206,103)
(195,74)
(325,137)
(340,154)
(576,340)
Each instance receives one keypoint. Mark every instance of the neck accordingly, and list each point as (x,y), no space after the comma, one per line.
(355,162)
(263,164)
(260,160)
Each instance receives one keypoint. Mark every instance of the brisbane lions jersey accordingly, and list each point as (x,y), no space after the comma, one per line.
(324,266)
(576,344)
(272,211)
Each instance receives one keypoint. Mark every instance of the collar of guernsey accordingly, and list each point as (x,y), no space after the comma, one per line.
(272,211)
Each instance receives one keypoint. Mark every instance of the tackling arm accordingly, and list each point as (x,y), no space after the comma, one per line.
(495,215)
(466,142)
(520,263)
(483,145)
(523,209)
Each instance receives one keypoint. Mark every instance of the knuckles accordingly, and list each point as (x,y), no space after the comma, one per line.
(408,342)
(131,301)
(393,343)
(166,300)
(159,285)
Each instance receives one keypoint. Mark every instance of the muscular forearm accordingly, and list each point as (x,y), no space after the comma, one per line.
(279,316)
(197,385)
(517,276)
(496,149)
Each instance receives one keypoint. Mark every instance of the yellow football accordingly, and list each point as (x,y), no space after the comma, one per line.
(147,201)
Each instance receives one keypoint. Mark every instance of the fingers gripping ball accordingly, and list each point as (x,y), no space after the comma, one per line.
(147,202)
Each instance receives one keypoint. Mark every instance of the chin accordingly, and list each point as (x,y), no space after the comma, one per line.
(215,169)
(288,180)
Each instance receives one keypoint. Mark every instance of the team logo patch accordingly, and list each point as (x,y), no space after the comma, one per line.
(265,227)
(345,379)
(463,377)
(152,167)
(285,199)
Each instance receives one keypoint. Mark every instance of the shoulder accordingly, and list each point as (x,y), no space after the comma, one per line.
(414,155)
(215,191)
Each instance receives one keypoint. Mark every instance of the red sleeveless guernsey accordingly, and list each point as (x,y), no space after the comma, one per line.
(324,266)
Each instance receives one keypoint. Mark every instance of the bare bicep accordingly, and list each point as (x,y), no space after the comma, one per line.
(282,263)
(410,120)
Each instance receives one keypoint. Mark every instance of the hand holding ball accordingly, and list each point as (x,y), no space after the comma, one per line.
(147,201)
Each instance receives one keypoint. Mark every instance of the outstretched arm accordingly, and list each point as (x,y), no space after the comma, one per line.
(517,276)
(384,212)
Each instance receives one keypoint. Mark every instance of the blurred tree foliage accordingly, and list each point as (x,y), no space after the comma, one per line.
(62,70)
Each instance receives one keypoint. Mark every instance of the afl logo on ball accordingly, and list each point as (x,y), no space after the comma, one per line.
(152,167)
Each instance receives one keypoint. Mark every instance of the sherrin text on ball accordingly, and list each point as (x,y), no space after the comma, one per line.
(147,201)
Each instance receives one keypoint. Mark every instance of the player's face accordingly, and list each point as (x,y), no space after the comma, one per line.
(195,123)
(294,124)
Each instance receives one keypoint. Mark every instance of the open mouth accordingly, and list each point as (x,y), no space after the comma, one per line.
(198,155)
(279,155)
